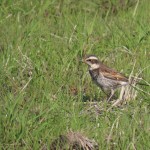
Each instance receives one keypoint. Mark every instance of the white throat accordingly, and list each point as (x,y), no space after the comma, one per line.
(94,66)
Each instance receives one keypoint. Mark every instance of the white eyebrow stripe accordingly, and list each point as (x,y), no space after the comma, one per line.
(92,57)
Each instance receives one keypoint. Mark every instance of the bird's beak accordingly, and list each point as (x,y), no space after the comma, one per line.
(83,60)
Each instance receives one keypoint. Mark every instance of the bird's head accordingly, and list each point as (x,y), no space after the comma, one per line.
(92,61)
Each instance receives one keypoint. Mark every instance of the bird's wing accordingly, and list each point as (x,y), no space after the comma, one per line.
(112,74)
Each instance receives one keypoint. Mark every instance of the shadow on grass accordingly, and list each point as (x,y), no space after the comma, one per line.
(89,98)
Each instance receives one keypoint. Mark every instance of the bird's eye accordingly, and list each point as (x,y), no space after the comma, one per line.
(89,60)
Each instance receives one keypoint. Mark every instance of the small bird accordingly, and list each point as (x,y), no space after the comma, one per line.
(104,77)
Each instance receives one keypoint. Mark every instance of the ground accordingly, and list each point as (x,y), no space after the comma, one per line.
(45,89)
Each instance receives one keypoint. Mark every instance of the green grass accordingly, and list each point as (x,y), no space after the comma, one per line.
(40,47)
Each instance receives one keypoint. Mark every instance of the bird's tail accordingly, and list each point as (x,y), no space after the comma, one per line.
(135,80)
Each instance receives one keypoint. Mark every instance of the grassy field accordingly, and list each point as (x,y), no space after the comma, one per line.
(44,86)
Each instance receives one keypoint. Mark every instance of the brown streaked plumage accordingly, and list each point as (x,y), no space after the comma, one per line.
(112,74)
(106,78)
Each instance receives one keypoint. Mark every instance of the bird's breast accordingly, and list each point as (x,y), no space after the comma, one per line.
(94,74)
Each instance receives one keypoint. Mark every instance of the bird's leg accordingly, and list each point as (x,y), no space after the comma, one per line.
(121,97)
(111,95)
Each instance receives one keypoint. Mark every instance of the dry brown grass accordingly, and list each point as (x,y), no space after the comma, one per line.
(73,141)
